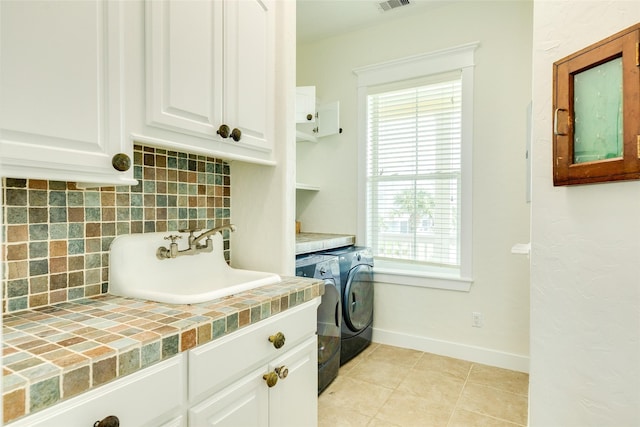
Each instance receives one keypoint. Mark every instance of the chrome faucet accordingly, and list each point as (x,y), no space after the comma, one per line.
(195,247)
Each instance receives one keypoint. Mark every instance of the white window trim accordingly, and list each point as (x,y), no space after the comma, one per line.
(437,62)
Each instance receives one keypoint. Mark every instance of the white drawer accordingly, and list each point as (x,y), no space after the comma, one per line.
(214,365)
(146,398)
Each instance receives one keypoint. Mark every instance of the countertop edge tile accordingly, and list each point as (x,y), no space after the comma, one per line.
(314,242)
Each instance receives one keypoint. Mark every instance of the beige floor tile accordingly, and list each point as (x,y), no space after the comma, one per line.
(432,386)
(359,358)
(445,365)
(384,374)
(347,367)
(462,418)
(409,411)
(335,416)
(375,422)
(399,356)
(353,394)
(386,386)
(515,382)
(370,349)
(494,402)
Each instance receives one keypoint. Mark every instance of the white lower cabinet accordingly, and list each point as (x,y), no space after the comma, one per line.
(293,401)
(229,382)
(222,383)
(149,398)
(251,402)
(244,403)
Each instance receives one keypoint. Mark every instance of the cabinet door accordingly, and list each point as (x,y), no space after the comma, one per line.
(249,70)
(328,119)
(243,403)
(184,71)
(293,401)
(210,63)
(305,104)
(60,111)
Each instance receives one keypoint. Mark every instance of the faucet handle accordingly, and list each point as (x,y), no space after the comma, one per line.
(172,237)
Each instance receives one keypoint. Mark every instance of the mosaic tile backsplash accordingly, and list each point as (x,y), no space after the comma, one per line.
(56,237)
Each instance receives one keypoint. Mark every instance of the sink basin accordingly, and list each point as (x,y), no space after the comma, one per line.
(135,271)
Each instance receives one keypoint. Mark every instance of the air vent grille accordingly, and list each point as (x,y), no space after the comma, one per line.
(392,4)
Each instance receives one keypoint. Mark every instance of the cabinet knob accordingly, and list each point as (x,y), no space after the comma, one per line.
(277,339)
(236,134)
(309,116)
(224,131)
(121,162)
(271,378)
(282,372)
(110,421)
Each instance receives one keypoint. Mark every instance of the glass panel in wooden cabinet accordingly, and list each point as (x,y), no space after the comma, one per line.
(598,113)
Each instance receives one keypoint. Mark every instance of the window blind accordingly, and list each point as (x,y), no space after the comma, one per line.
(414,173)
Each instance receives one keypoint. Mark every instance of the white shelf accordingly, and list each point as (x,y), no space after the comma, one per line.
(307,187)
(303,136)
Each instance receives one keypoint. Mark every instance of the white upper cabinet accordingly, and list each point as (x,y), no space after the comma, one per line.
(203,79)
(326,123)
(61,83)
(305,104)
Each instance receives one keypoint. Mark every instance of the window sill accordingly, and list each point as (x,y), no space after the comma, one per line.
(422,280)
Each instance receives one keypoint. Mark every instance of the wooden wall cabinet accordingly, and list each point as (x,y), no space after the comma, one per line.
(596,112)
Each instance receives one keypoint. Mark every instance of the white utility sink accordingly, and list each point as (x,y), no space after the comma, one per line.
(135,271)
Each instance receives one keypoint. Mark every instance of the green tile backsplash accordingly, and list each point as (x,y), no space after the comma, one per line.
(56,237)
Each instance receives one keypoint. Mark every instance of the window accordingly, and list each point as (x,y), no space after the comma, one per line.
(415,171)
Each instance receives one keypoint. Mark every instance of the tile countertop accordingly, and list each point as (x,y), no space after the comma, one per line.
(55,352)
(314,242)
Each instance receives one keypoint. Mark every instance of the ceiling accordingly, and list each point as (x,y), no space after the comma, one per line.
(318,19)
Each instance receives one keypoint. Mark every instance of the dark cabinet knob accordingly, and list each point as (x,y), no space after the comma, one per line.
(309,117)
(224,131)
(110,421)
(236,134)
(121,162)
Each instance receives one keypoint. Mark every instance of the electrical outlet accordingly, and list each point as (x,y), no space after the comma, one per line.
(478,319)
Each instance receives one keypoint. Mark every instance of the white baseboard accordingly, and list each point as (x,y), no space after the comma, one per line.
(486,356)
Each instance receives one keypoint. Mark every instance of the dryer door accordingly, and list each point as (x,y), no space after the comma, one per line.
(329,319)
(358,298)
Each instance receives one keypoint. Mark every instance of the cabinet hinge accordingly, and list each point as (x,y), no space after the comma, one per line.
(638,146)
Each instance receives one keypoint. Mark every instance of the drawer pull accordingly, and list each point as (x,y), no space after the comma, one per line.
(110,421)
(277,339)
(282,372)
(271,378)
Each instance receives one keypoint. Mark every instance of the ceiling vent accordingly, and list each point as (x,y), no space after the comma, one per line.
(392,4)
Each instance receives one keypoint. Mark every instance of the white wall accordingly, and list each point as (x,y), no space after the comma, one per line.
(429,319)
(585,277)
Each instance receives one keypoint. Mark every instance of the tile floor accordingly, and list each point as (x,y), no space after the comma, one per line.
(398,387)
